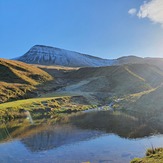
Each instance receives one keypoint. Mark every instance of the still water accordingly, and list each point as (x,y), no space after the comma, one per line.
(95,137)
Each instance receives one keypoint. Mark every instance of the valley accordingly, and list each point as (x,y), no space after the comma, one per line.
(81,81)
(36,97)
(128,87)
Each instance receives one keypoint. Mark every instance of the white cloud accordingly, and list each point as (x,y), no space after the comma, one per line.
(151,9)
(132,11)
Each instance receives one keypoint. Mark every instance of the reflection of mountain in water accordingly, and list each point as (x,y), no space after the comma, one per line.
(56,136)
(118,123)
(87,126)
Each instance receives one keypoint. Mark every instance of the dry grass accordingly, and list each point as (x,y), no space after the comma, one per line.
(56,67)
(43,106)
(152,156)
(17,79)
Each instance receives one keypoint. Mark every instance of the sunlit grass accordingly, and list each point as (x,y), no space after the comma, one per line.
(152,156)
(18,80)
(41,106)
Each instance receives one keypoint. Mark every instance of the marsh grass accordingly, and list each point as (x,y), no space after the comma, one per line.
(39,107)
(153,155)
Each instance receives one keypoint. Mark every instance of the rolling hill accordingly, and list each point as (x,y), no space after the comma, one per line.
(18,80)
(114,80)
(133,84)
(150,104)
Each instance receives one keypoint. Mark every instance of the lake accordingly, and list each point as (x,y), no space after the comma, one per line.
(96,137)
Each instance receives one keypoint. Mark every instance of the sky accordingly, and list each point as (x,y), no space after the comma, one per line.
(103,28)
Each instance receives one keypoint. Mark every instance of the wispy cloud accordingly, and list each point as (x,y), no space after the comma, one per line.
(132,11)
(153,10)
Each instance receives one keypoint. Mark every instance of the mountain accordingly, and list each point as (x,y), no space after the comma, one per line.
(134,59)
(103,83)
(46,55)
(17,79)
(129,60)
(150,104)
(135,87)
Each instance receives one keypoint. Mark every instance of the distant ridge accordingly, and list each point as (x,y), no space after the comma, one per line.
(47,55)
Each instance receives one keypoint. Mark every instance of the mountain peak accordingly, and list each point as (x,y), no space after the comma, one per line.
(44,46)
(47,55)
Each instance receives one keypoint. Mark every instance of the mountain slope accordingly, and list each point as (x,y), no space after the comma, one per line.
(129,60)
(46,55)
(112,81)
(17,78)
(150,103)
(138,60)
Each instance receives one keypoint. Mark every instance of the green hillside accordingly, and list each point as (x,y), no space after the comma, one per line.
(114,80)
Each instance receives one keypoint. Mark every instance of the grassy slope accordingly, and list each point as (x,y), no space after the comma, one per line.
(61,79)
(115,80)
(99,81)
(43,106)
(152,156)
(17,78)
(128,82)
(149,104)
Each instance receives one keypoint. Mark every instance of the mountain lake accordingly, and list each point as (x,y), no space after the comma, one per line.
(85,137)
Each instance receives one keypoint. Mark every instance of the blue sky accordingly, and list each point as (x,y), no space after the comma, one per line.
(104,28)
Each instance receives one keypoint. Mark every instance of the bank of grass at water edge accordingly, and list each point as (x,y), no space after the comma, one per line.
(42,106)
(154,155)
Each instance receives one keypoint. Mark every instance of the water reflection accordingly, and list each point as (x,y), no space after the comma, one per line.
(89,136)
(122,124)
(46,134)
(56,136)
